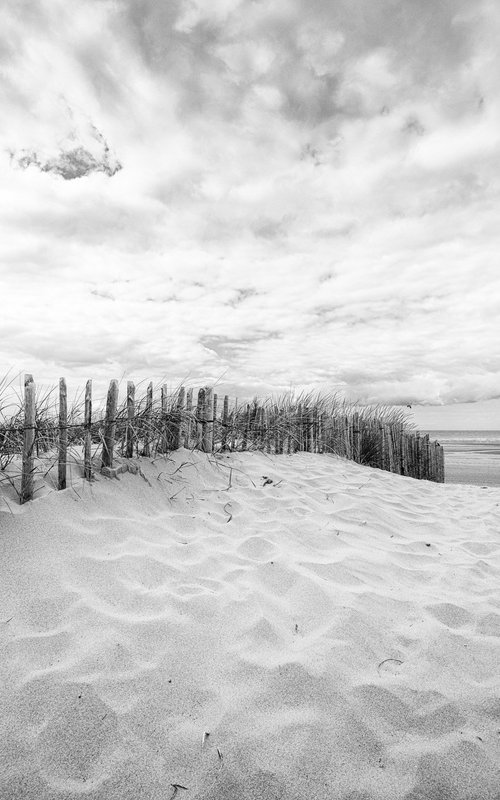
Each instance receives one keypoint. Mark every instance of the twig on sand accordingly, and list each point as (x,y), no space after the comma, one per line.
(206,734)
(175,495)
(396,660)
(184,464)
(141,473)
(228,513)
(177,786)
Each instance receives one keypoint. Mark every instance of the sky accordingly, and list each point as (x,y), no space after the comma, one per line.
(265,194)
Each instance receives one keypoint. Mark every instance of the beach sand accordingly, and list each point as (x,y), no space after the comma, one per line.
(251,627)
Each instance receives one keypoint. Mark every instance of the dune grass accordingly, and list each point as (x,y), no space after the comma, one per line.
(163,420)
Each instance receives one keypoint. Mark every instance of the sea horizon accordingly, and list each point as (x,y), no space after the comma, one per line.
(471,456)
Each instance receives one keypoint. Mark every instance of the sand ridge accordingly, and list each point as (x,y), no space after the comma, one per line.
(334,628)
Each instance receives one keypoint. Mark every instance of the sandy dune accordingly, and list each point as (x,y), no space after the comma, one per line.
(334,629)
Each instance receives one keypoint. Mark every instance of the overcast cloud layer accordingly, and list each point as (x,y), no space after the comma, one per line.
(278,192)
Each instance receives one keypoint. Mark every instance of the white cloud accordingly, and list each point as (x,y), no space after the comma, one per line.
(307,196)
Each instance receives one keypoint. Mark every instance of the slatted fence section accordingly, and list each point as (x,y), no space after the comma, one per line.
(215,424)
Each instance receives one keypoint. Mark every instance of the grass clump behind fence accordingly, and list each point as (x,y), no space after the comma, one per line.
(42,431)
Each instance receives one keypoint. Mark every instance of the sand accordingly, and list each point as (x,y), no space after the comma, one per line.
(251,628)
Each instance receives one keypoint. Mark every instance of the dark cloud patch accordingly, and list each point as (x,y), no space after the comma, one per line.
(423,34)
(103,294)
(414,126)
(241,296)
(271,228)
(71,164)
(150,25)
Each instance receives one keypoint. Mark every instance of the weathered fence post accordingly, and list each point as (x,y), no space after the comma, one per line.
(382,446)
(146,450)
(181,428)
(356,438)
(208,427)
(390,447)
(200,419)
(234,433)
(267,432)
(246,428)
(299,437)
(404,452)
(225,415)
(418,455)
(282,436)
(214,424)
(262,429)
(87,442)
(110,425)
(315,437)
(441,462)
(63,434)
(425,456)
(129,434)
(164,412)
(27,479)
(189,409)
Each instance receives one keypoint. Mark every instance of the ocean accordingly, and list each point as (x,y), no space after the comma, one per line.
(470,456)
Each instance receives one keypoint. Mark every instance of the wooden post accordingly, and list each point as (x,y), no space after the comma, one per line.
(110,425)
(442,472)
(434,460)
(418,455)
(356,438)
(189,411)
(315,426)
(234,425)
(404,452)
(87,442)
(307,429)
(394,447)
(383,451)
(267,436)
(225,416)
(181,428)
(426,454)
(208,428)
(214,424)
(298,432)
(262,424)
(246,428)
(279,432)
(200,419)
(146,451)
(164,413)
(63,434)
(410,447)
(27,479)
(390,448)
(130,437)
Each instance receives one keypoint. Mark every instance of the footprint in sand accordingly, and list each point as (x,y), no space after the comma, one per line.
(450,615)
(489,625)
(258,548)
(79,738)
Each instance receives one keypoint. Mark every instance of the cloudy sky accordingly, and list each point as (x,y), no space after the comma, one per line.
(268,193)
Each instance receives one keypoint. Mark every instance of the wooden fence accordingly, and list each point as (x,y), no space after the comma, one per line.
(203,422)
